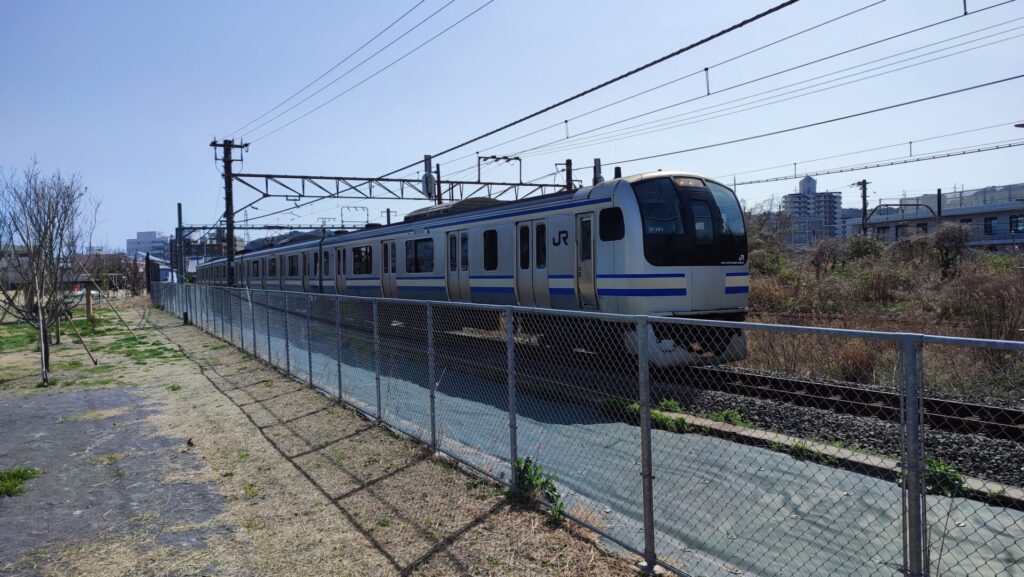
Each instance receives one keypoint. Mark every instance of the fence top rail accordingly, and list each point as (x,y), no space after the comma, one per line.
(691,321)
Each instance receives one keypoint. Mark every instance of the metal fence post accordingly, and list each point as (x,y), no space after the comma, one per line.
(252,315)
(510,370)
(915,511)
(431,375)
(647,468)
(223,314)
(309,336)
(287,339)
(337,349)
(241,319)
(376,359)
(266,309)
(231,316)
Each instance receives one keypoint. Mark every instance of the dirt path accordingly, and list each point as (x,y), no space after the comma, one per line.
(277,481)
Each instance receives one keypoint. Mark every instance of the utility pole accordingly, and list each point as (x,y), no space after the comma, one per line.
(938,208)
(437,182)
(180,265)
(388,213)
(863,184)
(227,146)
(568,174)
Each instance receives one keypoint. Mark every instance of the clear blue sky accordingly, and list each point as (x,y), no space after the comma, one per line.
(129,94)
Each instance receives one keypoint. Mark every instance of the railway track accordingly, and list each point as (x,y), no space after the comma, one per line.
(949,415)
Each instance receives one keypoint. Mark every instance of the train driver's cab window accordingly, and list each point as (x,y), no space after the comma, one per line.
(702,223)
(612,226)
(419,255)
(490,250)
(293,265)
(362,260)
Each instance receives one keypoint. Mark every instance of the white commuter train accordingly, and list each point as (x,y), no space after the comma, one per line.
(663,243)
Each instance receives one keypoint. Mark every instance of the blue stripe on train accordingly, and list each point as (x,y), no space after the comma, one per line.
(665,292)
(736,289)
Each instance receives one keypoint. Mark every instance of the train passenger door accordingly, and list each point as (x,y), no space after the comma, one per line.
(585,285)
(532,263)
(458,266)
(339,270)
(388,260)
(304,271)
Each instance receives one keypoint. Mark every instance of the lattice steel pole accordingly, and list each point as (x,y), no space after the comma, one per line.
(309,337)
(376,359)
(337,349)
(510,370)
(646,458)
(915,510)
(431,375)
(287,339)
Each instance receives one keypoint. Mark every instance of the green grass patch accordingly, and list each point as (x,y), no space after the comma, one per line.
(174,387)
(12,481)
(671,405)
(18,336)
(730,416)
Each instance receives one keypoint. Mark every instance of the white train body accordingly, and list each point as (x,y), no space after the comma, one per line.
(664,243)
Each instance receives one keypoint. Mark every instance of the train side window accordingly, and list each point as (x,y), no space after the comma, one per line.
(305,264)
(316,264)
(293,265)
(490,249)
(524,247)
(341,263)
(272,267)
(419,255)
(464,236)
(384,261)
(541,235)
(611,224)
(586,240)
(453,252)
(702,224)
(362,260)
(255,269)
(394,258)
(1017,224)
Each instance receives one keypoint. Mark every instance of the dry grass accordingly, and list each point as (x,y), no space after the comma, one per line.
(314,489)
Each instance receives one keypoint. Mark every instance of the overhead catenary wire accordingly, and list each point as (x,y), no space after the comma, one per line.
(676,121)
(873,149)
(823,122)
(331,69)
(767,76)
(670,82)
(343,75)
(611,81)
(370,77)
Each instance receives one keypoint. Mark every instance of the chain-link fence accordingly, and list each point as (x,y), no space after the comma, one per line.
(813,452)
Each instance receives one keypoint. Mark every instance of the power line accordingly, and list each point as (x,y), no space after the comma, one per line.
(379,71)
(975,149)
(670,82)
(678,120)
(606,83)
(342,75)
(332,68)
(873,149)
(764,77)
(822,122)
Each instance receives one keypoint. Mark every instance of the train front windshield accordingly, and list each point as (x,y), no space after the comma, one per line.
(688,221)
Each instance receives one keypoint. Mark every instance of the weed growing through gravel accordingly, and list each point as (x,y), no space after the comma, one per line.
(12,481)
(730,416)
(942,478)
(174,387)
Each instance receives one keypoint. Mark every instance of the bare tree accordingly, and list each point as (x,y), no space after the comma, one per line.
(45,223)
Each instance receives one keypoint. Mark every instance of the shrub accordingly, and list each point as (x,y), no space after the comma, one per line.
(531,486)
(671,405)
(861,247)
(950,243)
